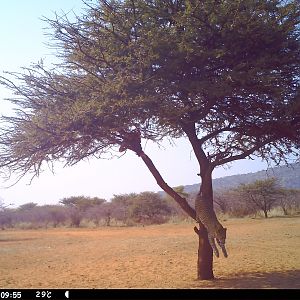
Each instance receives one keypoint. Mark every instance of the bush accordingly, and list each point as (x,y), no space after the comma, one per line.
(149,208)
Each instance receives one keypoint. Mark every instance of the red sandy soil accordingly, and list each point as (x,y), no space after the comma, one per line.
(263,253)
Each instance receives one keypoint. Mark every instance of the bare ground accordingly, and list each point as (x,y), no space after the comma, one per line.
(262,254)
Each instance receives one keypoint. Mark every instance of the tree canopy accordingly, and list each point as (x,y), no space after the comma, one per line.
(168,68)
(81,202)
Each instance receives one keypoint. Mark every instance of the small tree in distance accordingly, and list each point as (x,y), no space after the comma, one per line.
(78,205)
(261,194)
(27,206)
(289,199)
(149,208)
(223,74)
(121,205)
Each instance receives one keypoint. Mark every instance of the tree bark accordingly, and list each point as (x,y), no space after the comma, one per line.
(205,255)
(205,252)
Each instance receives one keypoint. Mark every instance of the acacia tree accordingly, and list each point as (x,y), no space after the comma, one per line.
(78,205)
(288,199)
(149,208)
(223,74)
(261,194)
(121,206)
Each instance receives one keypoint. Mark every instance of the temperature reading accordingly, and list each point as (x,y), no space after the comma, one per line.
(43,294)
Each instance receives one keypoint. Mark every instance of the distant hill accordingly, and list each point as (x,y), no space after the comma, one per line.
(289,177)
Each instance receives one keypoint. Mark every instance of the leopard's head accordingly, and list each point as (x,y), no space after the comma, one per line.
(221,238)
(221,234)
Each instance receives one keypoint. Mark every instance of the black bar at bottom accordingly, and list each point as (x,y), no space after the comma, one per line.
(155,294)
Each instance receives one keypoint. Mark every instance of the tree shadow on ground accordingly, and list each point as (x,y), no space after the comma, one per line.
(256,280)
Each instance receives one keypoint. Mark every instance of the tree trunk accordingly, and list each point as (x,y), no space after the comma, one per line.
(205,252)
(205,255)
(266,214)
(284,208)
(108,220)
(285,212)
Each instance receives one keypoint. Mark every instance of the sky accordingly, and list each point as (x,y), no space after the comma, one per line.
(23,41)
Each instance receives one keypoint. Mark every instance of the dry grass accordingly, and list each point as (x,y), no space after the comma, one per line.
(262,254)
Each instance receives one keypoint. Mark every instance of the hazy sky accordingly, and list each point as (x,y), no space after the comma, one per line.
(22,42)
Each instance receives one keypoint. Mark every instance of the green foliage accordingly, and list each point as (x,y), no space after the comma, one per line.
(227,71)
(27,206)
(144,208)
(123,199)
(120,206)
(82,203)
(148,208)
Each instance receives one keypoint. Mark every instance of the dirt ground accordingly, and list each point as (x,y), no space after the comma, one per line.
(262,254)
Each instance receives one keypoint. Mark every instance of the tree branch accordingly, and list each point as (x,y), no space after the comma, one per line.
(243,155)
(180,200)
(190,131)
(213,134)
